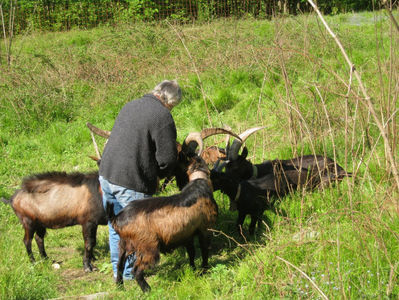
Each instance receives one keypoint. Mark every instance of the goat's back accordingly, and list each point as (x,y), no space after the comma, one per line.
(168,220)
(58,199)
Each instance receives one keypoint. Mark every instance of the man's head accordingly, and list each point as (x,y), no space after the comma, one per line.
(169,92)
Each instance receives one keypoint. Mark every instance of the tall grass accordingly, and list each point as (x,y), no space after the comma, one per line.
(286,74)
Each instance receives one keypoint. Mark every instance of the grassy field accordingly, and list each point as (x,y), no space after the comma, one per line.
(286,74)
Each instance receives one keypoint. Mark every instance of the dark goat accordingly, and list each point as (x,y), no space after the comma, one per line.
(253,196)
(241,168)
(327,169)
(157,225)
(56,200)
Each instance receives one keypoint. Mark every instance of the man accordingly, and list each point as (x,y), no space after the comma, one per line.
(141,148)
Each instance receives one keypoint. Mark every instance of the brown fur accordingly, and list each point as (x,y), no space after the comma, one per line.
(54,206)
(158,225)
(212,154)
(169,225)
(56,200)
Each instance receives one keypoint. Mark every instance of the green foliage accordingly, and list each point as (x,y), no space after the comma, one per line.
(285,74)
(58,15)
(18,278)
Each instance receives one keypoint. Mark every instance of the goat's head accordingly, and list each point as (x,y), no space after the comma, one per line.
(237,164)
(225,183)
(190,161)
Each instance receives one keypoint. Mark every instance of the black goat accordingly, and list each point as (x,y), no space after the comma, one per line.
(157,225)
(253,196)
(327,169)
(239,167)
(56,200)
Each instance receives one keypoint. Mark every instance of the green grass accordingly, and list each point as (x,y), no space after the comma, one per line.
(286,74)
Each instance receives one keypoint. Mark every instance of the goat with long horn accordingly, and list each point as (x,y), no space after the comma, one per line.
(239,167)
(233,150)
(160,224)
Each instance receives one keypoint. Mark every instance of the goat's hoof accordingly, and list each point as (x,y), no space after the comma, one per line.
(120,286)
(94,268)
(145,288)
(88,269)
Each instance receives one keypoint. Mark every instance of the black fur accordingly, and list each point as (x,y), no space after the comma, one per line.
(325,167)
(277,179)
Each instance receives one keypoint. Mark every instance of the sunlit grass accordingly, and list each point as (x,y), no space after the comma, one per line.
(250,72)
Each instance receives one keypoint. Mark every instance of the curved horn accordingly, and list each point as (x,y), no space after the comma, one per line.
(236,145)
(191,142)
(98,131)
(207,132)
(195,139)
(227,138)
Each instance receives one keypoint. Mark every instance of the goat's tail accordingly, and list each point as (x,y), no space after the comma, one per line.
(5,201)
(109,209)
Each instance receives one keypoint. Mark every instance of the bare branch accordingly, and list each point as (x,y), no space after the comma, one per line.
(304,275)
(389,10)
(195,69)
(367,98)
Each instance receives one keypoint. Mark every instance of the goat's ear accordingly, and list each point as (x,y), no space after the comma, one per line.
(244,153)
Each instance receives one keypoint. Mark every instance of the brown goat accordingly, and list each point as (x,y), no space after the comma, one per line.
(161,224)
(157,225)
(56,200)
(212,154)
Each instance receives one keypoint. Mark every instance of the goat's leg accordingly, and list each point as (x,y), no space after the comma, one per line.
(204,245)
(254,219)
(240,221)
(29,232)
(39,237)
(139,276)
(89,236)
(121,266)
(191,252)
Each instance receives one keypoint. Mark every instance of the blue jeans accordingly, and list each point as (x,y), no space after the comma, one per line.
(120,197)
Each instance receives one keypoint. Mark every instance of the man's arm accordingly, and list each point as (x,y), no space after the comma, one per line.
(166,150)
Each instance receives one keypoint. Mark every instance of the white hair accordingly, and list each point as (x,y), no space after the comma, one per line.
(169,92)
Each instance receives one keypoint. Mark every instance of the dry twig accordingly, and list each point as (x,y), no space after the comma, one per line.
(388,7)
(304,275)
(367,98)
(195,69)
